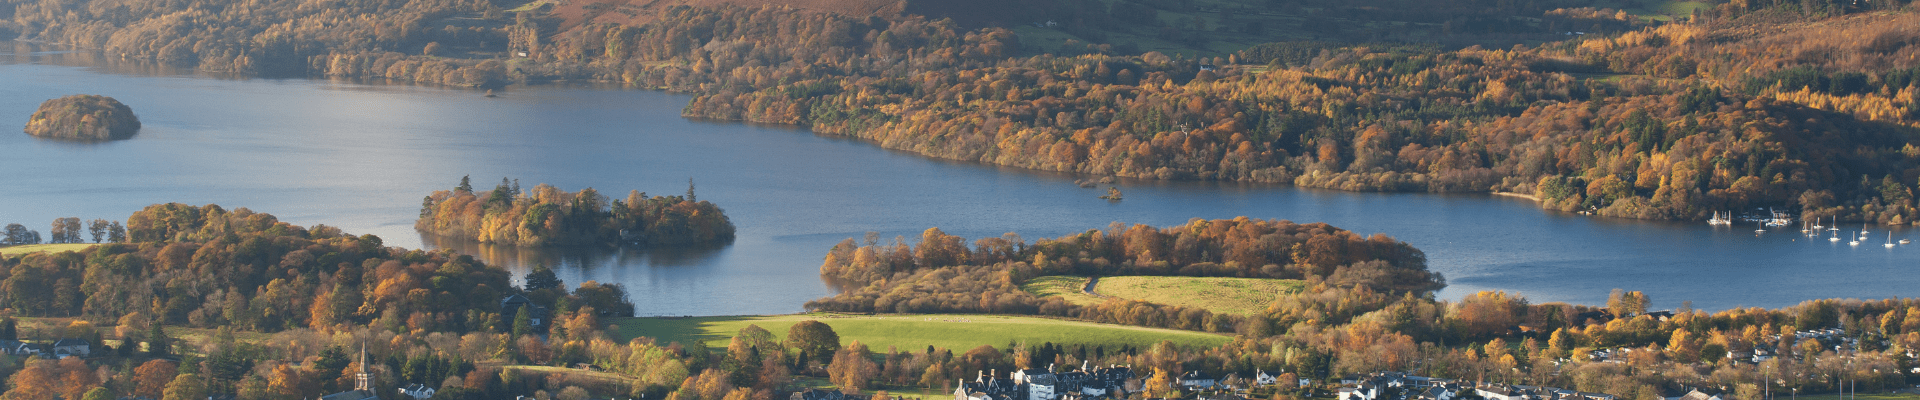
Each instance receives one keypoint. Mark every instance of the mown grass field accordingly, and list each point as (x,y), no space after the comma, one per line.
(957,332)
(36,248)
(1239,296)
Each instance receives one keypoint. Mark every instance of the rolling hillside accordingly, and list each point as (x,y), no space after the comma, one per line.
(952,331)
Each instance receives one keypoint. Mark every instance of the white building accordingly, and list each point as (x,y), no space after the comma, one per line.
(1362,392)
(1041,387)
(72,348)
(417,391)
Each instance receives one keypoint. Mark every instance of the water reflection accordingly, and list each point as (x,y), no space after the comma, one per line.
(580,262)
(22,52)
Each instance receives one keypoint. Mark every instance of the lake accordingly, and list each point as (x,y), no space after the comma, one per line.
(361,157)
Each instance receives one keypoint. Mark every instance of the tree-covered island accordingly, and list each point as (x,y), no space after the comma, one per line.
(549,216)
(83,117)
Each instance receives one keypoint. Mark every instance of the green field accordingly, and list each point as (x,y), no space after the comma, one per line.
(1239,296)
(36,248)
(1684,8)
(958,332)
(1064,286)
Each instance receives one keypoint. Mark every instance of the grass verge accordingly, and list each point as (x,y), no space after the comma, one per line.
(50,247)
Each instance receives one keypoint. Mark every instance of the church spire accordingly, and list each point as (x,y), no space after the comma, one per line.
(363,380)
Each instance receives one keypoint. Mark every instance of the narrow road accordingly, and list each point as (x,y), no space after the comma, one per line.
(1089,288)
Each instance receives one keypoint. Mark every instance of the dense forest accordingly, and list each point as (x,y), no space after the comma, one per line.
(942,274)
(550,216)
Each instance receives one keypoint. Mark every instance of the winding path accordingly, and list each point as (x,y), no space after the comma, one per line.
(1089,288)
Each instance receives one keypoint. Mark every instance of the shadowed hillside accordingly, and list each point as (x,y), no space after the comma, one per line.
(1210,28)
(574,13)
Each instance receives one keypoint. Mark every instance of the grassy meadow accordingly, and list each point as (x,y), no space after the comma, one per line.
(36,248)
(1067,287)
(1239,296)
(958,332)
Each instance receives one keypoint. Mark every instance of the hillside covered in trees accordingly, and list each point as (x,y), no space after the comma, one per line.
(1672,122)
(550,216)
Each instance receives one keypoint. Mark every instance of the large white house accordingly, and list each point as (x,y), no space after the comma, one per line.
(72,348)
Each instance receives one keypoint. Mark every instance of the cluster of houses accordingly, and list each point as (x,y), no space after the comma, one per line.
(1761,352)
(1044,384)
(1400,386)
(60,349)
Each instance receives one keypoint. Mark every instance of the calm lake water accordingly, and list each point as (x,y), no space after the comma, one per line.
(361,156)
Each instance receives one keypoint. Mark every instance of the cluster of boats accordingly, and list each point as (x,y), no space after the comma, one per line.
(1812,230)
(1834,236)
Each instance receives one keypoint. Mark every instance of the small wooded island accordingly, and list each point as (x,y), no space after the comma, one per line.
(550,216)
(83,117)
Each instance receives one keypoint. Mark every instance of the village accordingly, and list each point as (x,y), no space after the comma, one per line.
(1089,382)
(1094,382)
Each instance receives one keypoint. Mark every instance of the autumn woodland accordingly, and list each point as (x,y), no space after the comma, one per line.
(550,216)
(1810,105)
